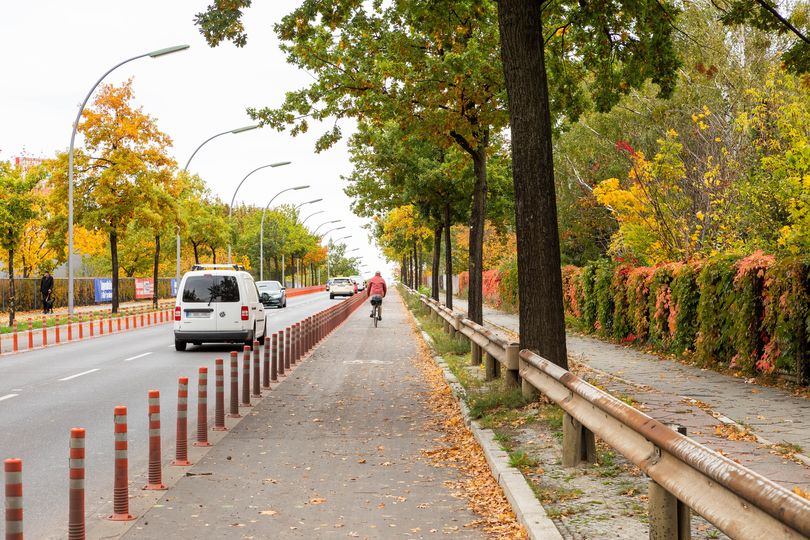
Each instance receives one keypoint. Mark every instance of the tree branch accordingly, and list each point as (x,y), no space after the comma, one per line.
(767,7)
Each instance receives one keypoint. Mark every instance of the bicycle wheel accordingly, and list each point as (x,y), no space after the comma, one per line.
(376,316)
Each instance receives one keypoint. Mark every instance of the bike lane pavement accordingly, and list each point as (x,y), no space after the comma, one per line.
(336,451)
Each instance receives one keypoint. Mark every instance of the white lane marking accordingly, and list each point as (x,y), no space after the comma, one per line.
(8,396)
(79,374)
(137,356)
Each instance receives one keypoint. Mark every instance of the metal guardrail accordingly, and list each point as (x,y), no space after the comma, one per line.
(740,502)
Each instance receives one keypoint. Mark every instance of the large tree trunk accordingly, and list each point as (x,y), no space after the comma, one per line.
(448,259)
(437,255)
(114,262)
(155,272)
(475,309)
(214,255)
(292,269)
(196,253)
(542,321)
(12,289)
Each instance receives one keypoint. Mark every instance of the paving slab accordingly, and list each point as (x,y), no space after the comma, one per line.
(334,452)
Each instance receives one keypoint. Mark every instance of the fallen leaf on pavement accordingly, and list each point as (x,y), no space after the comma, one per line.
(268,513)
(317,500)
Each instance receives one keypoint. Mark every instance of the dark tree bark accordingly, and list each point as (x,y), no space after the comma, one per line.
(114,262)
(278,269)
(437,255)
(155,272)
(214,255)
(542,322)
(12,289)
(448,259)
(196,253)
(475,297)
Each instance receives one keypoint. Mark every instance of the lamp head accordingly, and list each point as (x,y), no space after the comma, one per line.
(246,128)
(281,164)
(168,50)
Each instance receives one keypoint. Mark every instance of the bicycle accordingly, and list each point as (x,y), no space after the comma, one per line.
(376,309)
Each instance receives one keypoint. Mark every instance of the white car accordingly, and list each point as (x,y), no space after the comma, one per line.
(341,286)
(217,303)
(361,283)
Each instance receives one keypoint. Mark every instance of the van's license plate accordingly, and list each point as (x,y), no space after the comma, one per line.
(197,315)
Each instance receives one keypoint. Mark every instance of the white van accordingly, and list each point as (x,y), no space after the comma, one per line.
(217,303)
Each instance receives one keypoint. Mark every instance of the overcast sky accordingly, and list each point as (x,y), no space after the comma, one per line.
(52,51)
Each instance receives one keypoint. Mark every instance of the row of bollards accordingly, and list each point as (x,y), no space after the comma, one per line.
(283,350)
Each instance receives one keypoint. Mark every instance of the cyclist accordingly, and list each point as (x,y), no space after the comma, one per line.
(376,289)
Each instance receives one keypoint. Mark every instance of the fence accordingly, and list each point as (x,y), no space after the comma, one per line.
(30,299)
(684,474)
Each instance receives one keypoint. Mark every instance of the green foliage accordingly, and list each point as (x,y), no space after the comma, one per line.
(638,293)
(508,285)
(787,318)
(748,309)
(714,343)
(659,307)
(605,303)
(684,303)
(621,307)
(587,280)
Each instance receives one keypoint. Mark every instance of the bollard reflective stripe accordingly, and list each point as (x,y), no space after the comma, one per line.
(219,407)
(256,390)
(14,498)
(246,377)
(234,397)
(155,478)
(181,446)
(76,527)
(121,489)
(274,357)
(202,408)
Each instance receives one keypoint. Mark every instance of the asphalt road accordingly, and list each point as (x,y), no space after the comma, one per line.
(46,392)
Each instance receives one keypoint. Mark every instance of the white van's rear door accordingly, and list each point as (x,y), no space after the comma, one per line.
(229,304)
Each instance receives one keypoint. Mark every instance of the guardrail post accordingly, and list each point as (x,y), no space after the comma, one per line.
(512,365)
(475,354)
(528,391)
(670,519)
(578,443)
(490,367)
(455,326)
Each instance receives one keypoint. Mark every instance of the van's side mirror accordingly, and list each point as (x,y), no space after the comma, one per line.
(283,288)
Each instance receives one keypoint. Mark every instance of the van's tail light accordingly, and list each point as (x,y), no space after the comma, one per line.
(245,313)
(176,313)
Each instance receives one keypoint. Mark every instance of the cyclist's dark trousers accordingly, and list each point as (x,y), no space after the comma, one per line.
(376,300)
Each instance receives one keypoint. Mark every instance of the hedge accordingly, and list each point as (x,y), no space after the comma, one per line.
(746,313)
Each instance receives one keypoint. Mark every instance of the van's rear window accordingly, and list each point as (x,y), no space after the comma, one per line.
(211,289)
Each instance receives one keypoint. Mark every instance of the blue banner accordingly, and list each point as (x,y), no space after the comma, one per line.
(103,289)
(174,287)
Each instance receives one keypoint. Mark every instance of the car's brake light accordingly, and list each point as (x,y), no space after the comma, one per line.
(245,313)
(176,313)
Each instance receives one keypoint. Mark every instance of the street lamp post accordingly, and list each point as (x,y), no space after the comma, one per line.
(230,207)
(313,201)
(261,229)
(312,214)
(233,131)
(327,244)
(326,223)
(153,54)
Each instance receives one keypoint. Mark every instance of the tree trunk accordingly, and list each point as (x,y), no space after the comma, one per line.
(542,321)
(114,262)
(155,272)
(448,259)
(12,289)
(278,270)
(475,309)
(437,255)
(214,255)
(292,268)
(196,253)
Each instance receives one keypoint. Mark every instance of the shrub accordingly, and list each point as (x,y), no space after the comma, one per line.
(572,290)
(714,342)
(587,278)
(748,311)
(638,291)
(621,307)
(659,302)
(683,309)
(787,318)
(508,285)
(603,292)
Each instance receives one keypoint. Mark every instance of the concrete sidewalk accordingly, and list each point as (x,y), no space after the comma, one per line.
(335,451)
(702,400)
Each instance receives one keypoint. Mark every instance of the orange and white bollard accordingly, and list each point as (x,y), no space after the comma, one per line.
(81,327)
(14,499)
(44,332)
(76,528)
(181,449)
(246,377)
(202,408)
(278,349)
(219,399)
(91,319)
(100,324)
(257,392)
(30,334)
(287,362)
(121,482)
(155,477)
(56,331)
(15,344)
(266,364)
(234,396)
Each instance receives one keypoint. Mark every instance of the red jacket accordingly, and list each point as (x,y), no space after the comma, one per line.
(376,287)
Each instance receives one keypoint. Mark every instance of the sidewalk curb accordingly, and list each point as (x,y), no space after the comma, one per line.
(530,513)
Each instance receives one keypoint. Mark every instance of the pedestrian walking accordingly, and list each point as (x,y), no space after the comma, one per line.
(46,288)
